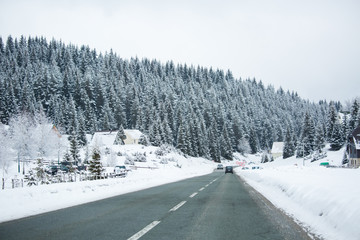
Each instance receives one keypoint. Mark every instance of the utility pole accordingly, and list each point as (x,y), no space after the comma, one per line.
(303,147)
(18,162)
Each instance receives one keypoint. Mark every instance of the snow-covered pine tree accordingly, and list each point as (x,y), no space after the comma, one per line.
(120,136)
(308,135)
(331,121)
(253,141)
(226,146)
(134,111)
(195,135)
(237,130)
(167,132)
(74,149)
(95,165)
(300,150)
(345,126)
(30,178)
(155,134)
(289,146)
(41,174)
(68,160)
(182,141)
(119,113)
(81,136)
(354,115)
(203,139)
(337,138)
(144,140)
(319,139)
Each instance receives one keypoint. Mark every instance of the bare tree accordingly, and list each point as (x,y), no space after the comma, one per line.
(244,146)
(45,136)
(21,129)
(5,152)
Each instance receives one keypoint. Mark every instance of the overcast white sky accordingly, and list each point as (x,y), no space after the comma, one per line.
(308,46)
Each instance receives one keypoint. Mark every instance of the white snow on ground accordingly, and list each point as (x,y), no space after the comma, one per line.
(323,200)
(21,202)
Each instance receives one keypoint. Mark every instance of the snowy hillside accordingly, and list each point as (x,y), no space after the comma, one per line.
(321,199)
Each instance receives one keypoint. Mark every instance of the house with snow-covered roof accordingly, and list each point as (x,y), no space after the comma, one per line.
(353,148)
(277,149)
(104,138)
(107,138)
(132,136)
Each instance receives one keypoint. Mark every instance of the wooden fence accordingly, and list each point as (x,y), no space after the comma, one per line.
(58,178)
(61,177)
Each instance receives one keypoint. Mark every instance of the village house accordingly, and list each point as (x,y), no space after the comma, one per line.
(353,148)
(132,136)
(277,149)
(103,138)
(107,138)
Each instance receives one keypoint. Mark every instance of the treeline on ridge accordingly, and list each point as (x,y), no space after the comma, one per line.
(201,111)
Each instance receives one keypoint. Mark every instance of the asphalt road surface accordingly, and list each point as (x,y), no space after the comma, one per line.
(215,206)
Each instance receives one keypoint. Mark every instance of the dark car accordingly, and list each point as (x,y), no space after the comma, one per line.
(53,169)
(81,168)
(64,168)
(229,169)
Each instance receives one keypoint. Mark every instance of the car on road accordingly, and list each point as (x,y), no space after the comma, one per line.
(220,167)
(120,171)
(229,169)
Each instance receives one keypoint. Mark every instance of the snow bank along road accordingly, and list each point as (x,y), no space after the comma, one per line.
(214,206)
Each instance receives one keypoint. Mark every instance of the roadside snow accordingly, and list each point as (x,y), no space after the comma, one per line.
(323,200)
(22,202)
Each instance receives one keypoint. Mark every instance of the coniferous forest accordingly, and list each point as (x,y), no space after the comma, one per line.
(201,111)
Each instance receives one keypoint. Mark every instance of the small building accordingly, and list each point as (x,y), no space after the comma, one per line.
(277,149)
(353,148)
(132,136)
(107,138)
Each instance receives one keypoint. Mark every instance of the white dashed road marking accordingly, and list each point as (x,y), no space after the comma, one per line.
(193,195)
(177,206)
(144,230)
(154,223)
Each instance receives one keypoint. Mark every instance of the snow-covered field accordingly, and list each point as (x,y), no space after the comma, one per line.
(27,201)
(323,200)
